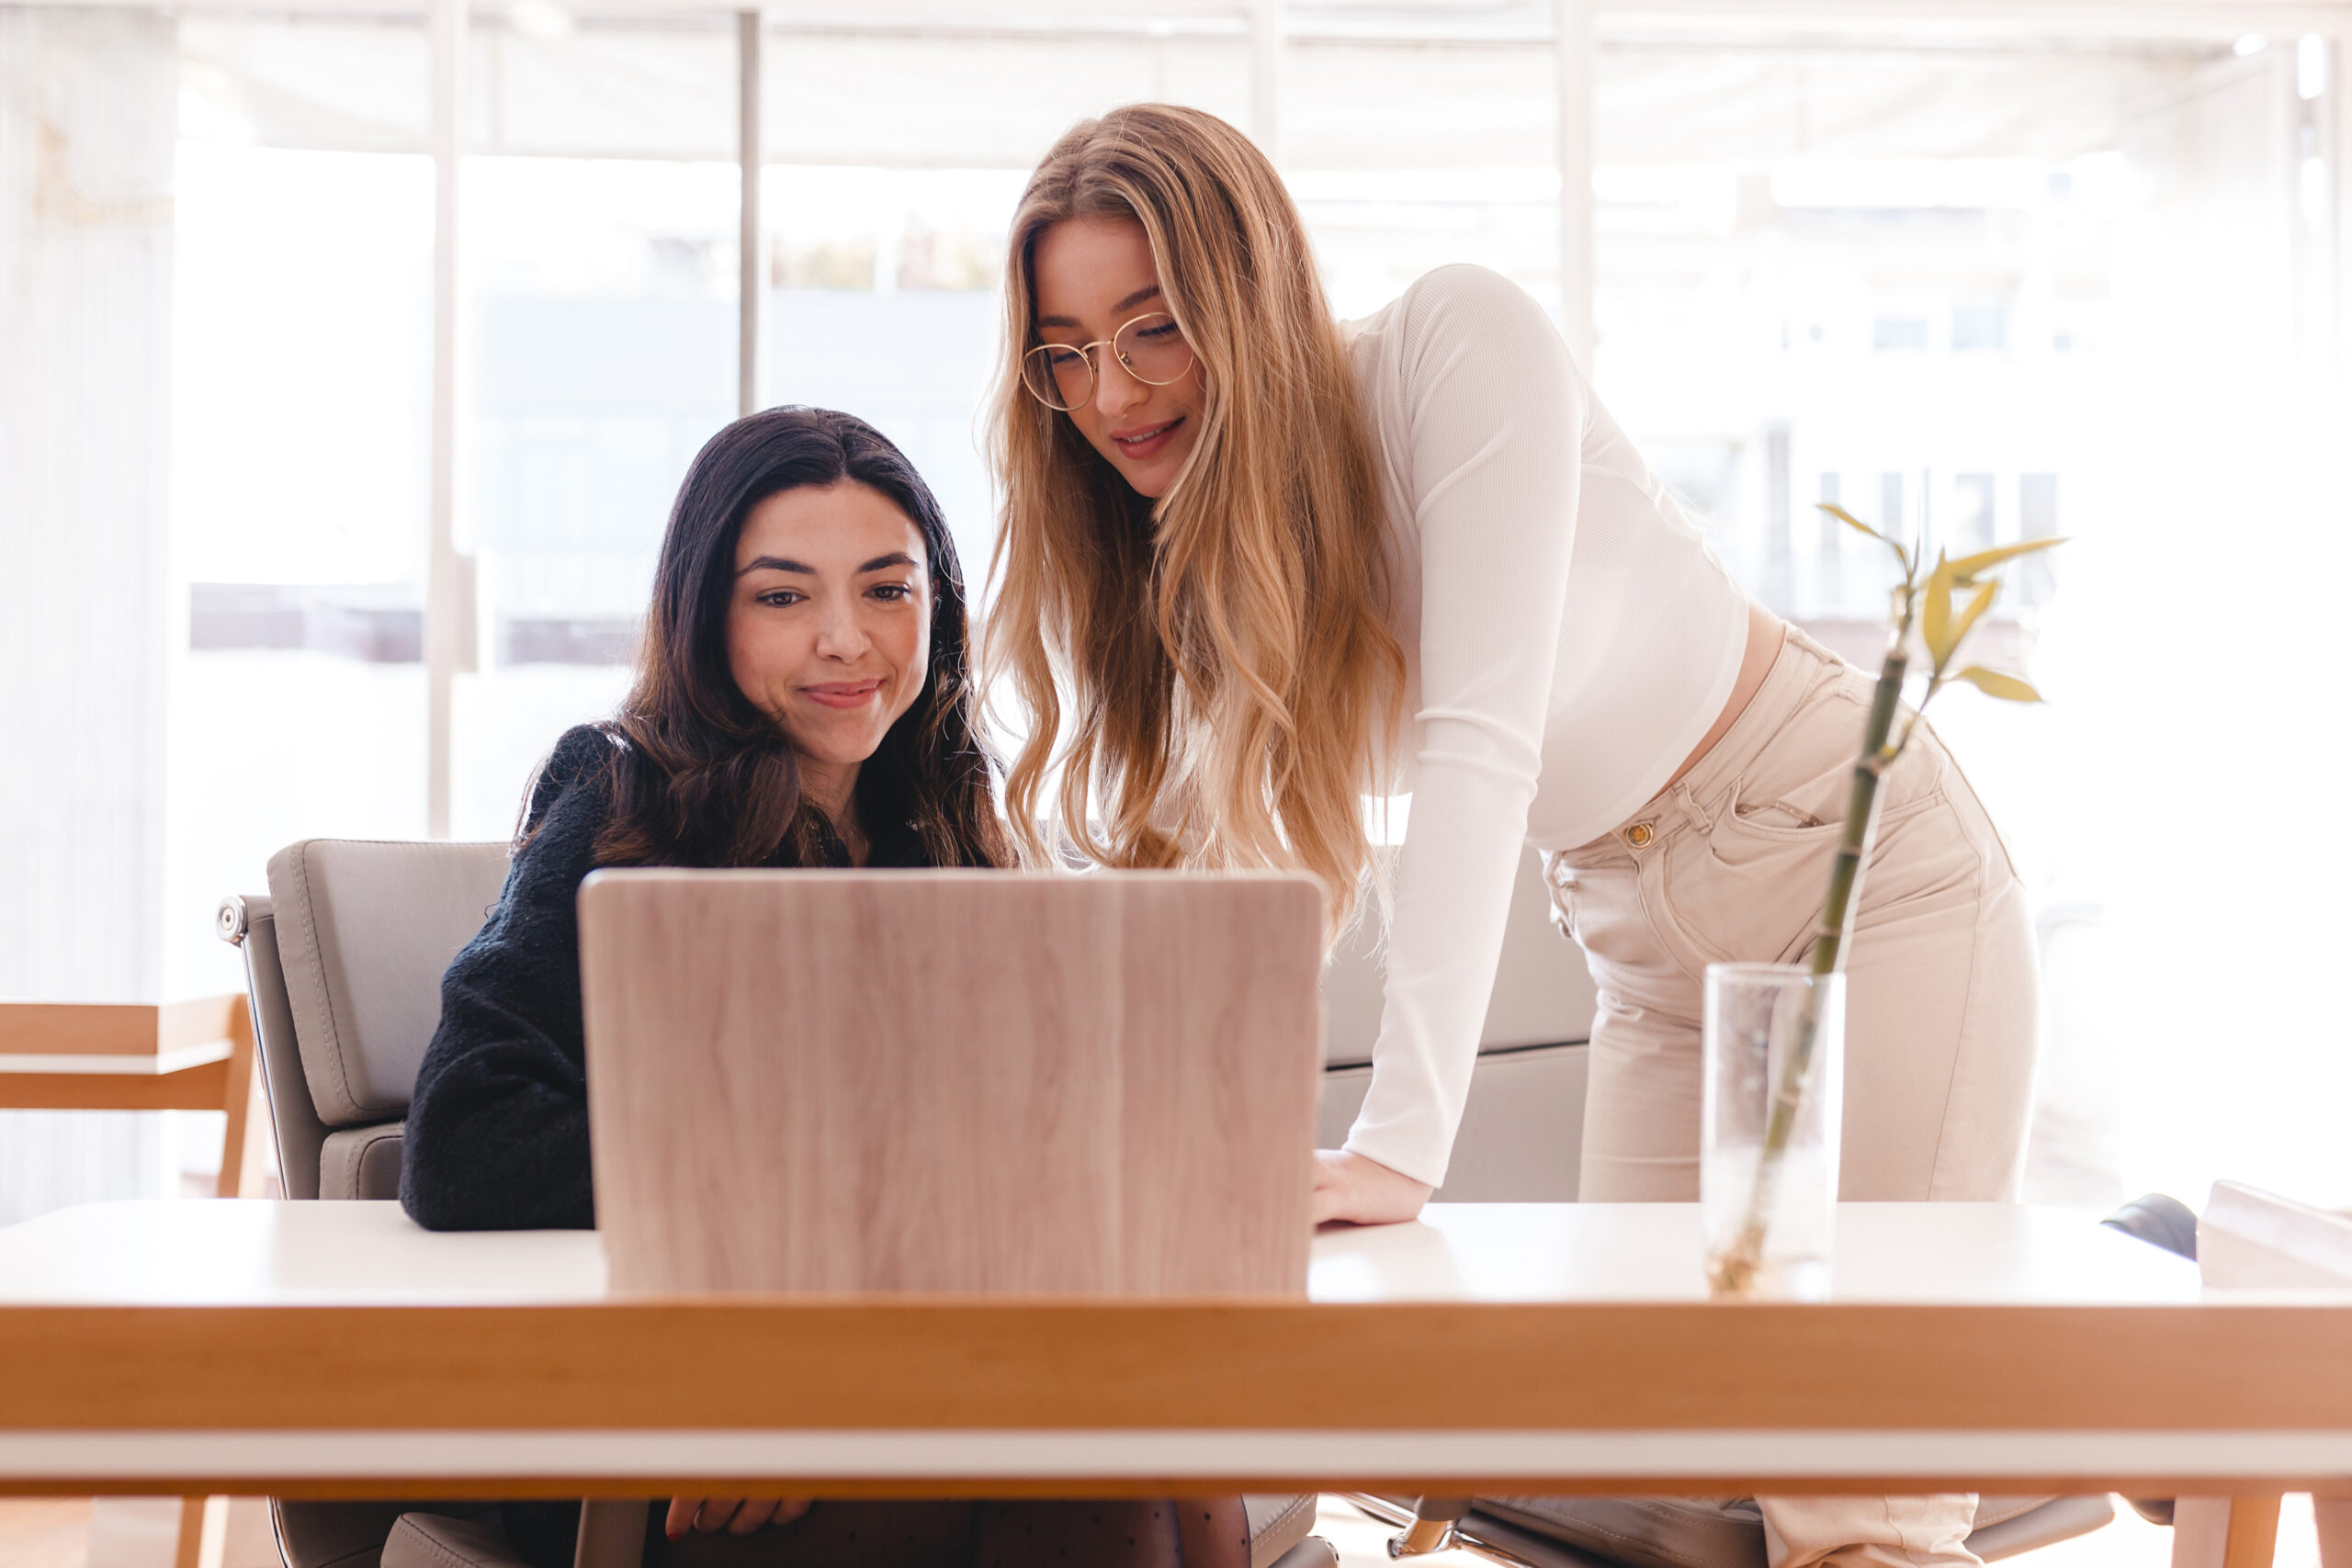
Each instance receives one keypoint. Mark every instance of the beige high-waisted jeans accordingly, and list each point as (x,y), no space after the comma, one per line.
(1941,997)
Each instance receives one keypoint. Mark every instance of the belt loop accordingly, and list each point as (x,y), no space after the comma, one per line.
(1707,814)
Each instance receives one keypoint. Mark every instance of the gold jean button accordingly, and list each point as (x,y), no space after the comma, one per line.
(1639,835)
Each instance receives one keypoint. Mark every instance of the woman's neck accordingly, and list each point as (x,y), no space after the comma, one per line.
(832,788)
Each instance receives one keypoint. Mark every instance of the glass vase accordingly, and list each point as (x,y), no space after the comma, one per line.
(1774,1053)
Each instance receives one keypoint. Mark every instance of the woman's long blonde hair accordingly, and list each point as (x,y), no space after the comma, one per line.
(1225,654)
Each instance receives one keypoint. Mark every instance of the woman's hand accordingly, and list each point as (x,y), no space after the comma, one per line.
(1363,1192)
(736,1516)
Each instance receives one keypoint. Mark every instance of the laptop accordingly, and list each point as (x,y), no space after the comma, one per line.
(951,1080)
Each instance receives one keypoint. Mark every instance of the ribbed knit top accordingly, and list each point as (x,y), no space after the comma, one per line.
(1570,638)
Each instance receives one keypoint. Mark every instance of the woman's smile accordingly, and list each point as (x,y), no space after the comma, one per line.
(844,694)
(831,583)
(1139,442)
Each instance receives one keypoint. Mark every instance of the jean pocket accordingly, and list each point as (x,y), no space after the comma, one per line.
(1750,888)
(1560,888)
(1744,892)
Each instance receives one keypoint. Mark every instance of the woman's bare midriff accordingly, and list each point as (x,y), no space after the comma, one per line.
(1766,632)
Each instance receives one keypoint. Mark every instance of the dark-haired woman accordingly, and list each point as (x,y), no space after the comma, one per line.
(802,698)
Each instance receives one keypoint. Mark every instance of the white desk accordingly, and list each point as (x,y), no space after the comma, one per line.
(196,1055)
(253,1254)
(335,1349)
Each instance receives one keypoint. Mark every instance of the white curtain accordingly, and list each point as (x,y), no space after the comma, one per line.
(88,132)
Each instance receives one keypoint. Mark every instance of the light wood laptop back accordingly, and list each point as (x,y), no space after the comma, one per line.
(810,1080)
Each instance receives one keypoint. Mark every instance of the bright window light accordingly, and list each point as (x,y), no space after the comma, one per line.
(1985,293)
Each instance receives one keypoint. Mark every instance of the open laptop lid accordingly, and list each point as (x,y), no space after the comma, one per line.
(951,1080)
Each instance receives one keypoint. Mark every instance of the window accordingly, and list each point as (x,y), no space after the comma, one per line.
(599,231)
(1899,333)
(1979,327)
(1971,513)
(1825,261)
(1944,277)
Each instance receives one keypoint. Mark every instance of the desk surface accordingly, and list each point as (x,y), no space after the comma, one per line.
(334,1348)
(260,1254)
(136,1037)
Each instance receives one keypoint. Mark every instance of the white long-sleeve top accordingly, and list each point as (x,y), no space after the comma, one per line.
(1569,639)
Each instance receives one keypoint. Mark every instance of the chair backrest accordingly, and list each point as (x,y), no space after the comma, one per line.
(345,961)
(1542,995)
(951,1080)
(2250,1239)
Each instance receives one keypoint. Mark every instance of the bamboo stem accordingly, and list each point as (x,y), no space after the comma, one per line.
(1739,1269)
(1737,1272)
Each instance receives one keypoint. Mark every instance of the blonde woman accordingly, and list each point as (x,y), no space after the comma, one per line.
(1256,564)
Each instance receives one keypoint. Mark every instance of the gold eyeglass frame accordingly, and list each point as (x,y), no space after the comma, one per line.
(1093,373)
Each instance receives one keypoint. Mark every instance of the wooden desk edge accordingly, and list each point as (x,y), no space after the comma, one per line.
(204,1087)
(118,1029)
(861,1364)
(1632,1484)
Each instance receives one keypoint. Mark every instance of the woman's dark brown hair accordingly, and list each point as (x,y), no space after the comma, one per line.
(704,778)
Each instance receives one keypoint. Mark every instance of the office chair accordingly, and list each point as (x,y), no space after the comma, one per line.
(1671,1533)
(344,962)
(2261,1240)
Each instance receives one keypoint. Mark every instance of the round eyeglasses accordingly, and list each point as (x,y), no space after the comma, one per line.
(1151,349)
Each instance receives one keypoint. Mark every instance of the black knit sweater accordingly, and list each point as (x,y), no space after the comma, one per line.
(497,1132)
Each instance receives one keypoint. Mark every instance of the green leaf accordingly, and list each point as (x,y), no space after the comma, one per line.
(1968,568)
(1850,521)
(1935,614)
(1973,614)
(1993,683)
(1902,557)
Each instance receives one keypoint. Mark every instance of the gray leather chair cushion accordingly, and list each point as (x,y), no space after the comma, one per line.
(293,1118)
(436,1540)
(1522,1126)
(364,932)
(1645,1532)
(1531,1546)
(1276,1524)
(362,1162)
(2041,1522)
(1278,1538)
(1694,1533)
(1543,992)
(342,1535)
